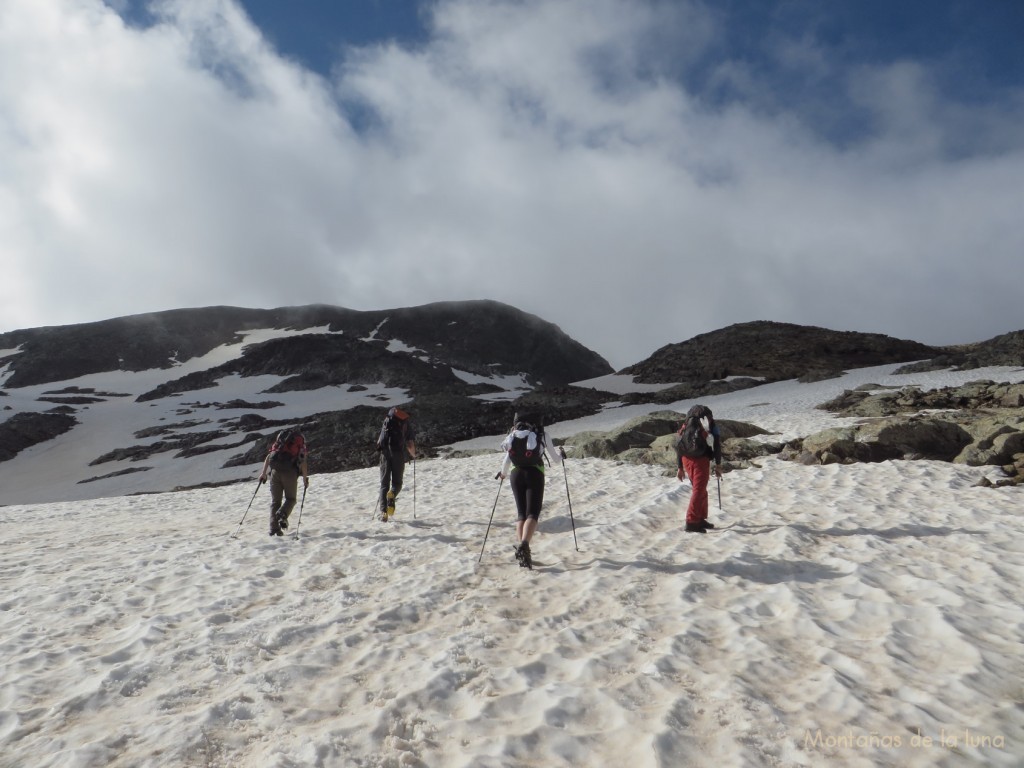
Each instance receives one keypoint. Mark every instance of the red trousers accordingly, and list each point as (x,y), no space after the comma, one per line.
(699,472)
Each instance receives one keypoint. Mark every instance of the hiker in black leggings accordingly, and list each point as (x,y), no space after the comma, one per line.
(525,448)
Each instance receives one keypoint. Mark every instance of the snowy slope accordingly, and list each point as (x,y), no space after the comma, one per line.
(841,615)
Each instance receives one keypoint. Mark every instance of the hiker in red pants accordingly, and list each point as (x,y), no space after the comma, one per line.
(699,441)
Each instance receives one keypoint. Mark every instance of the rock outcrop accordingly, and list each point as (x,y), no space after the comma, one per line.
(23,430)
(979,424)
(770,351)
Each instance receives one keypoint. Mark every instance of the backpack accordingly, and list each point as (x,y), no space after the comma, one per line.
(692,438)
(287,450)
(393,431)
(525,447)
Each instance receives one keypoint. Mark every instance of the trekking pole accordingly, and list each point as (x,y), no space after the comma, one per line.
(299,521)
(233,535)
(373,515)
(413,487)
(719,491)
(569,499)
(492,518)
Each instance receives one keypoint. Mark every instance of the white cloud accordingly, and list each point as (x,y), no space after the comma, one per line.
(537,152)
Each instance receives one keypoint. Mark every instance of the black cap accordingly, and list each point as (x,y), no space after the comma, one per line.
(526,417)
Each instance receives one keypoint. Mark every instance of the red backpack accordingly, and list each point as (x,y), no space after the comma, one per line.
(288,450)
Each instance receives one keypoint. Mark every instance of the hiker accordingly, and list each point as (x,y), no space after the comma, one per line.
(397,440)
(285,461)
(524,449)
(698,442)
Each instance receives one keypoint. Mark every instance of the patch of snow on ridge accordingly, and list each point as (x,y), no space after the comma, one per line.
(511,385)
(5,369)
(394,345)
(232,351)
(373,333)
(743,378)
(514,381)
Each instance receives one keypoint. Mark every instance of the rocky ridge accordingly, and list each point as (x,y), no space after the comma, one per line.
(417,351)
(480,337)
(770,351)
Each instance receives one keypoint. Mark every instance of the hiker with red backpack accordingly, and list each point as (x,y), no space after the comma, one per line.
(285,462)
(697,442)
(524,449)
(396,441)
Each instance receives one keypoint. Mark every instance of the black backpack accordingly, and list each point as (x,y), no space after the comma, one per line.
(287,450)
(692,438)
(393,431)
(519,447)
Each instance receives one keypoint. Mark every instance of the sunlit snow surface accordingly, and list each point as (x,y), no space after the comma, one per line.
(840,615)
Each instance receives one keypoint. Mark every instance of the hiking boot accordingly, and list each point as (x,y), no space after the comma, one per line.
(282,522)
(707,525)
(695,528)
(276,531)
(390,510)
(523,555)
(519,554)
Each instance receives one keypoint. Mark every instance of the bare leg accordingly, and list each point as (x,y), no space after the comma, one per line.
(525,529)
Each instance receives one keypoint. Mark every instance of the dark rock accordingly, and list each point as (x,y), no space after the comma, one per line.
(119,473)
(773,352)
(819,374)
(76,400)
(167,429)
(184,445)
(240,404)
(24,430)
(1004,350)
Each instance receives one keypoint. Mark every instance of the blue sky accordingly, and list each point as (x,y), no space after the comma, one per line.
(856,165)
(973,50)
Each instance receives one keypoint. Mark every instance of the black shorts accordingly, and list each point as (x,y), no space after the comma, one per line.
(528,490)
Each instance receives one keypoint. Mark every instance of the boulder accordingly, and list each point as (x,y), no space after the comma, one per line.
(640,432)
(650,439)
